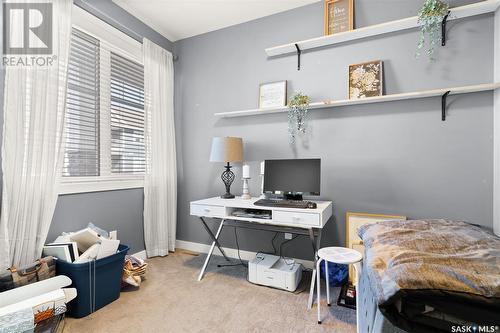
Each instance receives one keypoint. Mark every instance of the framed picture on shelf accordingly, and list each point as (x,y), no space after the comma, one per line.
(352,223)
(272,95)
(339,16)
(366,79)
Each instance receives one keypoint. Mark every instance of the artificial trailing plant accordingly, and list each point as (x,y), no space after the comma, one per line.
(297,115)
(430,17)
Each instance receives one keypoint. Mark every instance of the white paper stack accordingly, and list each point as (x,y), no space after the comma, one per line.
(85,238)
(88,244)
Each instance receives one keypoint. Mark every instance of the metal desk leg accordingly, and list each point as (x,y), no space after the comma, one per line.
(214,238)
(209,254)
(311,290)
(315,245)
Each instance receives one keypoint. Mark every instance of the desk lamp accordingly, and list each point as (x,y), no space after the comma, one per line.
(227,149)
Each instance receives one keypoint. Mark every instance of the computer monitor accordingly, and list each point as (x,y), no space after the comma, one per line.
(292,178)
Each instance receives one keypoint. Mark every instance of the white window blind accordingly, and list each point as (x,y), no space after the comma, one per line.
(127,116)
(81,157)
(105,109)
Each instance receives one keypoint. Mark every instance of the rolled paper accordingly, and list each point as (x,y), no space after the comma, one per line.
(32,290)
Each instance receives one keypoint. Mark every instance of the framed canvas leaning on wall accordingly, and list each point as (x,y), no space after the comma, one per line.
(352,223)
(366,79)
(272,94)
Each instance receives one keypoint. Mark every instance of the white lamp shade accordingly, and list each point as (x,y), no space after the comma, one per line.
(226,149)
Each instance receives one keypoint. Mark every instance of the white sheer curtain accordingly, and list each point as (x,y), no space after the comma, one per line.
(34,107)
(160,184)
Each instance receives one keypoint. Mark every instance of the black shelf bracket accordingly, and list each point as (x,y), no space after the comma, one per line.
(443,105)
(443,29)
(299,52)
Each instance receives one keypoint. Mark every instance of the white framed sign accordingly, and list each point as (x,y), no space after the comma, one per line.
(272,95)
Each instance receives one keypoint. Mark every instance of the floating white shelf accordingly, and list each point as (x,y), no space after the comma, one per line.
(478,8)
(370,100)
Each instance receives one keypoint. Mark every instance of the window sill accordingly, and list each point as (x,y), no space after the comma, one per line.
(82,185)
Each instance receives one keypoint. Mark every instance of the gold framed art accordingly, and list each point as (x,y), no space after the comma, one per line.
(339,16)
(366,79)
(352,223)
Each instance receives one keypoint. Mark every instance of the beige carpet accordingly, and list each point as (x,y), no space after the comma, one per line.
(172,300)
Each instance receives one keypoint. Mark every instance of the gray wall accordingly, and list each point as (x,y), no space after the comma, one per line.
(121,210)
(393,158)
(111,210)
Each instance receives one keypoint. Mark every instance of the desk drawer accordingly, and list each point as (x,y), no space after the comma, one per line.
(297,218)
(209,211)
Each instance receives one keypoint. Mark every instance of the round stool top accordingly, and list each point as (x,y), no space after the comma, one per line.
(340,255)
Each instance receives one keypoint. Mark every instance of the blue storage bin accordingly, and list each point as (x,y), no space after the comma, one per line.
(337,273)
(98,282)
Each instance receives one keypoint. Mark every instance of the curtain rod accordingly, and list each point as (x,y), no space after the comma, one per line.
(132,34)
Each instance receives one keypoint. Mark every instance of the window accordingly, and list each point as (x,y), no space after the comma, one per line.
(105,117)
(127,116)
(81,156)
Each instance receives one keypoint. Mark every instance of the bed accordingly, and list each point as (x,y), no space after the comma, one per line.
(428,276)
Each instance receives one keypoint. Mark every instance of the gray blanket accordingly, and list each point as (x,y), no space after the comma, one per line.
(424,265)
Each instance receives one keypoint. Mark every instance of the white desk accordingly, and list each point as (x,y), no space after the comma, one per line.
(293,220)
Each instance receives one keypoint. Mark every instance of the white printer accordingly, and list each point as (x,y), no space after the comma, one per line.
(273,271)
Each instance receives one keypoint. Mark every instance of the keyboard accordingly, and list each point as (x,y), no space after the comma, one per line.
(285,203)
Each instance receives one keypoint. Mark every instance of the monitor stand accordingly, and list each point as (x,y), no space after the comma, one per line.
(293,196)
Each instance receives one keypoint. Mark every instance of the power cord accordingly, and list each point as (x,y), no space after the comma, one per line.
(238,248)
(239,256)
(289,263)
(272,242)
(281,247)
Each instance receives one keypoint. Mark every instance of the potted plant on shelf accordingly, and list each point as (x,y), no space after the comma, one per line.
(430,17)
(297,115)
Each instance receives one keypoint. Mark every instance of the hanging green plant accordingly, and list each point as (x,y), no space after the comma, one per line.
(430,17)
(297,115)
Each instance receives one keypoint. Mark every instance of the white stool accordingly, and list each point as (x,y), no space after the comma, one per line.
(338,255)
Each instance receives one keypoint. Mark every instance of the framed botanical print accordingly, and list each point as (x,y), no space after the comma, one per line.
(366,79)
(338,16)
(353,221)
(272,94)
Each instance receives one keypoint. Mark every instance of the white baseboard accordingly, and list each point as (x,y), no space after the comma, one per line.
(231,253)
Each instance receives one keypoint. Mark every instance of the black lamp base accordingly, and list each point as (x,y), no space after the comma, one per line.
(228,196)
(228,178)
